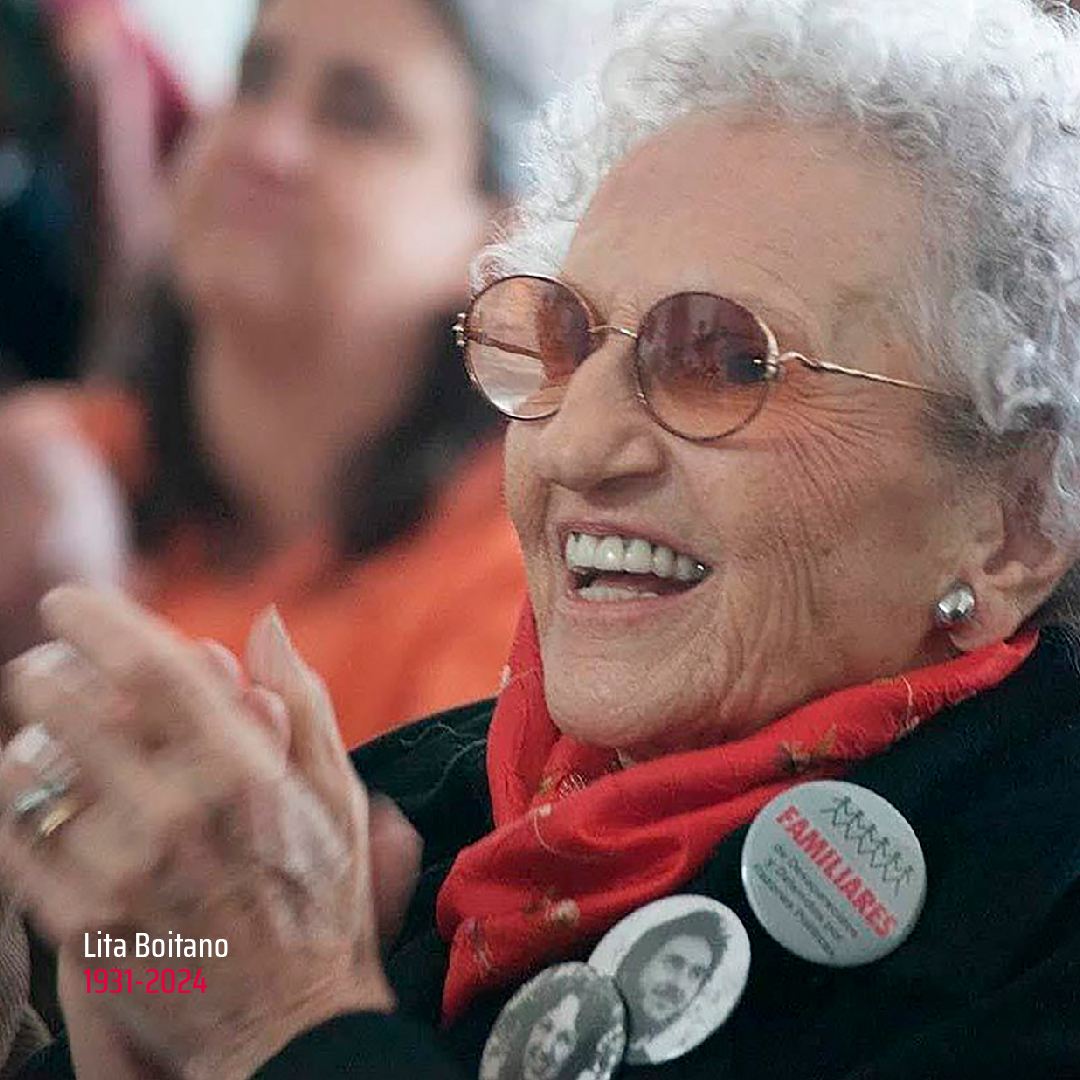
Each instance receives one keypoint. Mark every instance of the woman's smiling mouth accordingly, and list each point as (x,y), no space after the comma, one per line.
(607,567)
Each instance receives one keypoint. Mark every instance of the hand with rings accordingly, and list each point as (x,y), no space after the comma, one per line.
(148,792)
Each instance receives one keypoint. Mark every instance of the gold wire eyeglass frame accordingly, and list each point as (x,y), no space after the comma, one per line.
(773,364)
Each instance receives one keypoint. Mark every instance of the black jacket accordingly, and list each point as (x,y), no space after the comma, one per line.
(986,988)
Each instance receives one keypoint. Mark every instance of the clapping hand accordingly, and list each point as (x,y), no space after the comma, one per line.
(197,809)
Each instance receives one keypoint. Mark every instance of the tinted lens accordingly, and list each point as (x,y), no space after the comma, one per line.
(701,362)
(524,339)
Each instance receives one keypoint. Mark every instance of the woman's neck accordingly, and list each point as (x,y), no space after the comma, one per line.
(276,422)
(270,442)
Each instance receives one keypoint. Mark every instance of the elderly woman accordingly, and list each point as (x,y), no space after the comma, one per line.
(794,465)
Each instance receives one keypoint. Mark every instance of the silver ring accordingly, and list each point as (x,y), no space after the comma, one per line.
(36,799)
(45,807)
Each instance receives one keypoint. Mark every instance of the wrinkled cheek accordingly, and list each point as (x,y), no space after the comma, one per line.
(795,549)
(853,521)
(836,478)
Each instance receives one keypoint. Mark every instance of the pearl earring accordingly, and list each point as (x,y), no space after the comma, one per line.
(956,606)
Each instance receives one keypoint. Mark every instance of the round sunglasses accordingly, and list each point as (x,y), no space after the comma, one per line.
(703,364)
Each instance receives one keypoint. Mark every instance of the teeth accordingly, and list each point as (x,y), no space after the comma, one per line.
(663,562)
(610,555)
(617,554)
(685,568)
(608,594)
(586,550)
(638,557)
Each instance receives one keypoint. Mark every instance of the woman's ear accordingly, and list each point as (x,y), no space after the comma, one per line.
(1012,562)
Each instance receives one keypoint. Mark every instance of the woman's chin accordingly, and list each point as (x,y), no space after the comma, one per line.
(640,717)
(609,717)
(239,278)
(622,694)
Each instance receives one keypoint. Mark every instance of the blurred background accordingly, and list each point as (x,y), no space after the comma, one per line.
(94,96)
(201,38)
(234,239)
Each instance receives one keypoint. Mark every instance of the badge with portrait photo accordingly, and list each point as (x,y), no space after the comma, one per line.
(681,965)
(568,1023)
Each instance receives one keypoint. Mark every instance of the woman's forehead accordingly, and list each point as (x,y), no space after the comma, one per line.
(787,221)
(397,48)
(382,34)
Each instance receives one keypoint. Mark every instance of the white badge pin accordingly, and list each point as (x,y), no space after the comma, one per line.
(681,965)
(567,1023)
(834,873)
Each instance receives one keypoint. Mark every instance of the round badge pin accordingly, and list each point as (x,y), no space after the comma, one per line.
(567,1023)
(681,965)
(834,873)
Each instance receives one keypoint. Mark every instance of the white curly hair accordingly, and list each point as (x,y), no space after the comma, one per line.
(978,99)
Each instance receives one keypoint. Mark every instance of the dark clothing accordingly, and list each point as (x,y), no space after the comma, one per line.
(986,988)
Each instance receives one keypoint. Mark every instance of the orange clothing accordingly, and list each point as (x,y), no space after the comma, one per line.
(421,625)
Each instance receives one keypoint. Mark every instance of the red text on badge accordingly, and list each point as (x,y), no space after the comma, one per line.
(833,868)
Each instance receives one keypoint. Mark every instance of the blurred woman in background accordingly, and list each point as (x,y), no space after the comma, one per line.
(300,432)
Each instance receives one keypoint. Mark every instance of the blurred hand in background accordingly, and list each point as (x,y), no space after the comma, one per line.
(61,517)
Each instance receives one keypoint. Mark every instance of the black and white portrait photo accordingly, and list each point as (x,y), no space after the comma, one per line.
(680,965)
(566,1024)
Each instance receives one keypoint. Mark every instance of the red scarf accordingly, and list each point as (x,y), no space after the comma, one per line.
(579,843)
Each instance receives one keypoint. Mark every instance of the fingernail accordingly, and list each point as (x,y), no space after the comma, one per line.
(284,658)
(255,649)
(38,750)
(271,657)
(45,661)
(54,604)
(32,746)
(260,651)
(278,625)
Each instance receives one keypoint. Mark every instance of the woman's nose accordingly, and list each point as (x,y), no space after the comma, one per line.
(274,140)
(602,431)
